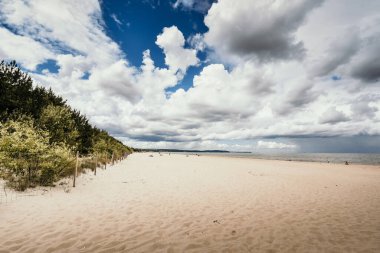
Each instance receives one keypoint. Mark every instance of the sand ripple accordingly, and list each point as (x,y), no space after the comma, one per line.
(200,204)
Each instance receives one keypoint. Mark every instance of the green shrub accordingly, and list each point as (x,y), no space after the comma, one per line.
(27,159)
(47,177)
(20,146)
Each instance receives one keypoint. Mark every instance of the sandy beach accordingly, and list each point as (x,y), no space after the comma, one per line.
(179,203)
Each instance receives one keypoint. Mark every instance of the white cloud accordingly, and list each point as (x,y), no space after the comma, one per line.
(186,3)
(229,94)
(365,107)
(196,5)
(228,103)
(197,42)
(116,19)
(74,26)
(117,80)
(177,57)
(24,50)
(332,116)
(72,65)
(275,145)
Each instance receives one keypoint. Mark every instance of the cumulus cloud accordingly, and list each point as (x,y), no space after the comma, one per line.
(230,95)
(177,57)
(264,30)
(117,80)
(333,116)
(228,105)
(152,81)
(70,65)
(275,145)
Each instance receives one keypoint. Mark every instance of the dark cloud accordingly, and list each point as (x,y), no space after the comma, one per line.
(352,144)
(263,31)
(191,126)
(331,144)
(162,138)
(209,113)
(164,135)
(339,52)
(267,46)
(366,65)
(149,138)
(296,98)
(360,55)
(368,70)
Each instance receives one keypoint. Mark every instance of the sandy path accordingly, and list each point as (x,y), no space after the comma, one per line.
(203,204)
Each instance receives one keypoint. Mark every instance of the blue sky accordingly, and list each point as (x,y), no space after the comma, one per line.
(135,25)
(260,76)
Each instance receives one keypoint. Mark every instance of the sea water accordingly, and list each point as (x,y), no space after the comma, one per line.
(356,158)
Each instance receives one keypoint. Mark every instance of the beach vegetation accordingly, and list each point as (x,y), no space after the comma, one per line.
(40,134)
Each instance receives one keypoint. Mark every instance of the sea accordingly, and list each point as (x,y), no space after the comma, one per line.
(340,158)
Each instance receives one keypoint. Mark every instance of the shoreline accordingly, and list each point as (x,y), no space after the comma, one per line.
(299,161)
(266,158)
(201,204)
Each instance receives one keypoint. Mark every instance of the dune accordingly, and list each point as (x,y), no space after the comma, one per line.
(179,203)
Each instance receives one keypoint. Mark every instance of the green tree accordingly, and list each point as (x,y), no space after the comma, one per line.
(59,122)
(19,97)
(86,132)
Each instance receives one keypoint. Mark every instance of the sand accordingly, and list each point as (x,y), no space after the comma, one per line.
(175,203)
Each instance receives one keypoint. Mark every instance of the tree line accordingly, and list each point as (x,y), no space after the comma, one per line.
(40,133)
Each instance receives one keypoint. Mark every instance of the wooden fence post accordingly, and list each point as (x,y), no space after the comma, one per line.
(113,162)
(96,163)
(76,166)
(105,164)
(76,169)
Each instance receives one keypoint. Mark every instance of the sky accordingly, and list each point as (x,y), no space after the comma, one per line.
(242,75)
